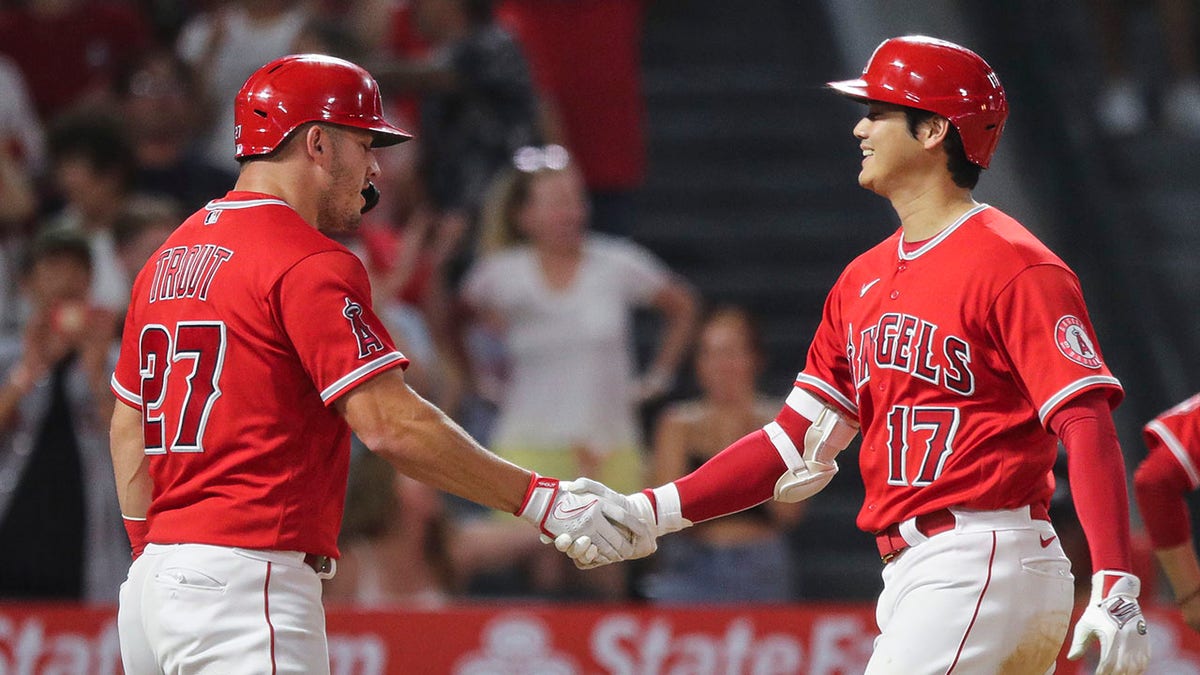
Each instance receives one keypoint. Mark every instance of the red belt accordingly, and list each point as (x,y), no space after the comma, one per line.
(891,544)
(321,564)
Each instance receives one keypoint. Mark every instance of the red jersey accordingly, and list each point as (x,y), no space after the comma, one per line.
(243,329)
(953,357)
(1178,430)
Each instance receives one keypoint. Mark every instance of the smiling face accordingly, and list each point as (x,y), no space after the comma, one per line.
(890,151)
(352,166)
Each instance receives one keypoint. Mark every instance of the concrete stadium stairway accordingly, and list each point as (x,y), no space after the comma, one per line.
(752,196)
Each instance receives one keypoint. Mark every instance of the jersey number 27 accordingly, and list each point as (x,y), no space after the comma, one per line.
(202,343)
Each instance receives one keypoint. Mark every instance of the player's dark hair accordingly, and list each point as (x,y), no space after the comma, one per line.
(963,171)
(57,243)
(287,141)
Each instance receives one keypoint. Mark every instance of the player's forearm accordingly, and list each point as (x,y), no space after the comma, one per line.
(424,443)
(435,450)
(1182,570)
(739,477)
(130,466)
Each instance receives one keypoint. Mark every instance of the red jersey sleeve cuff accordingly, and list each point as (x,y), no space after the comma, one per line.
(1110,386)
(828,393)
(125,395)
(361,374)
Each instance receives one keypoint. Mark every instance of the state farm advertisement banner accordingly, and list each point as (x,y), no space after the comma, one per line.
(545,640)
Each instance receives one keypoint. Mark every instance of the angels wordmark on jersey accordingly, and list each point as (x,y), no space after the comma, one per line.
(907,343)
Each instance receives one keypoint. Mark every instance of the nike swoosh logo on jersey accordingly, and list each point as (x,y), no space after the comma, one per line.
(1047,540)
(561,513)
(866,287)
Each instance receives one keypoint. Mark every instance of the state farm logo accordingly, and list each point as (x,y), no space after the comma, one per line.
(636,643)
(1073,341)
(515,644)
(30,646)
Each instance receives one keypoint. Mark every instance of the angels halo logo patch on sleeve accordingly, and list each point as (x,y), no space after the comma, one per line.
(1073,341)
(368,341)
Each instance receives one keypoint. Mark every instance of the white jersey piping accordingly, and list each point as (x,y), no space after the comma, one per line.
(941,236)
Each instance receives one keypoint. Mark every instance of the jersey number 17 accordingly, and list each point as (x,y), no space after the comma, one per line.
(922,436)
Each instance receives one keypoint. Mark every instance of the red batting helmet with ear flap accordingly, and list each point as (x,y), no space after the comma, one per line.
(941,77)
(300,88)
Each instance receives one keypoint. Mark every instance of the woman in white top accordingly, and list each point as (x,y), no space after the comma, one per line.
(563,300)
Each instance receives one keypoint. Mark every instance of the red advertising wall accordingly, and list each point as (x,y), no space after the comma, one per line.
(548,639)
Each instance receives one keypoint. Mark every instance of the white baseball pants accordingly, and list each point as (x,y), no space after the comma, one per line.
(991,596)
(194,609)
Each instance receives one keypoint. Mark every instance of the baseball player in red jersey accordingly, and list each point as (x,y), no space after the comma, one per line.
(1170,471)
(250,352)
(961,347)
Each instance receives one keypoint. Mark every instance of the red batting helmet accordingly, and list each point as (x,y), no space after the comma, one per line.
(941,77)
(292,90)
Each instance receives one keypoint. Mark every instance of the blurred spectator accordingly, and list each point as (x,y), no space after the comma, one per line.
(69,50)
(93,166)
(563,301)
(225,45)
(21,136)
(477,107)
(744,557)
(157,97)
(397,37)
(18,200)
(59,517)
(141,228)
(22,149)
(586,61)
(401,547)
(1123,107)
(18,203)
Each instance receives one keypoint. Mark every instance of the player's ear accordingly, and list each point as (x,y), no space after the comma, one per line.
(316,141)
(933,131)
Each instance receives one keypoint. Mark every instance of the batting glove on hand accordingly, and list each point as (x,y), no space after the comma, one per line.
(596,532)
(653,522)
(1114,617)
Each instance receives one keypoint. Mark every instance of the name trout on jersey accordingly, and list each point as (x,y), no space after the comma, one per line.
(910,344)
(186,271)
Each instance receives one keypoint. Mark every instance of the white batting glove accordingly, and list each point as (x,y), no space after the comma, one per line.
(1115,619)
(653,522)
(597,532)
